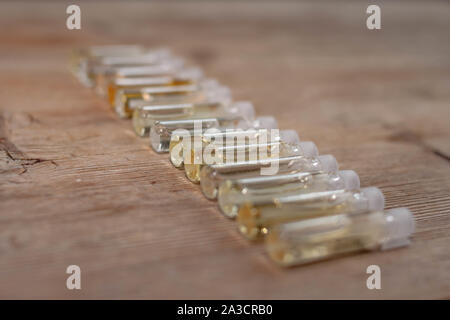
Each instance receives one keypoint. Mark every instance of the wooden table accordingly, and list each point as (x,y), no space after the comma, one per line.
(78,187)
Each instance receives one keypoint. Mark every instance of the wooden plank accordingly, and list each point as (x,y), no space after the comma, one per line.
(77,187)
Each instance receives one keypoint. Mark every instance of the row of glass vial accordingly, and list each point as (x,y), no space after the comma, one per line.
(307,211)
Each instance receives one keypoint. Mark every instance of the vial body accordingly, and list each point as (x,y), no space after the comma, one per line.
(240,153)
(179,148)
(192,106)
(161,131)
(123,90)
(82,59)
(233,194)
(121,93)
(87,64)
(134,69)
(256,218)
(205,101)
(212,176)
(317,239)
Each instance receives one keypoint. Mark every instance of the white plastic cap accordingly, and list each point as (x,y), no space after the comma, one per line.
(289,136)
(309,149)
(399,227)
(375,198)
(329,163)
(350,178)
(265,123)
(244,109)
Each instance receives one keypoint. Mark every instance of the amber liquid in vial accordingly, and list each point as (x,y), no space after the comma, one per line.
(256,218)
(317,239)
(233,194)
(121,95)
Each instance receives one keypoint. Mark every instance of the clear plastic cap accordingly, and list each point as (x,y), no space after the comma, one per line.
(289,136)
(174,62)
(219,94)
(209,83)
(148,57)
(191,73)
(374,197)
(309,149)
(244,109)
(329,163)
(399,228)
(164,67)
(350,179)
(265,123)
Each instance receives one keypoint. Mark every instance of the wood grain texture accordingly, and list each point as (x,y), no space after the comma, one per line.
(77,187)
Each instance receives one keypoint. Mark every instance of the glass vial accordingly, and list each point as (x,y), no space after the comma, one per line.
(123,90)
(233,194)
(237,115)
(209,100)
(178,146)
(288,145)
(212,176)
(134,69)
(307,241)
(256,218)
(88,63)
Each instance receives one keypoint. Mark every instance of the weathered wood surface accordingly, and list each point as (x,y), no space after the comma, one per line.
(77,187)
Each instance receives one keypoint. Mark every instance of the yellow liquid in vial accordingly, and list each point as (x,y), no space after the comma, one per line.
(212,176)
(193,169)
(231,195)
(255,219)
(322,238)
(120,96)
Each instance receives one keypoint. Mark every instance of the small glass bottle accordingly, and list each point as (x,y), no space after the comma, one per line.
(134,69)
(89,64)
(313,240)
(237,115)
(288,145)
(234,193)
(81,57)
(178,146)
(122,90)
(256,218)
(209,100)
(212,176)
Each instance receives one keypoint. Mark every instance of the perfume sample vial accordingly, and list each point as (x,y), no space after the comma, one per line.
(238,115)
(233,194)
(206,101)
(81,57)
(181,144)
(317,239)
(122,90)
(288,145)
(135,68)
(88,67)
(256,218)
(212,176)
